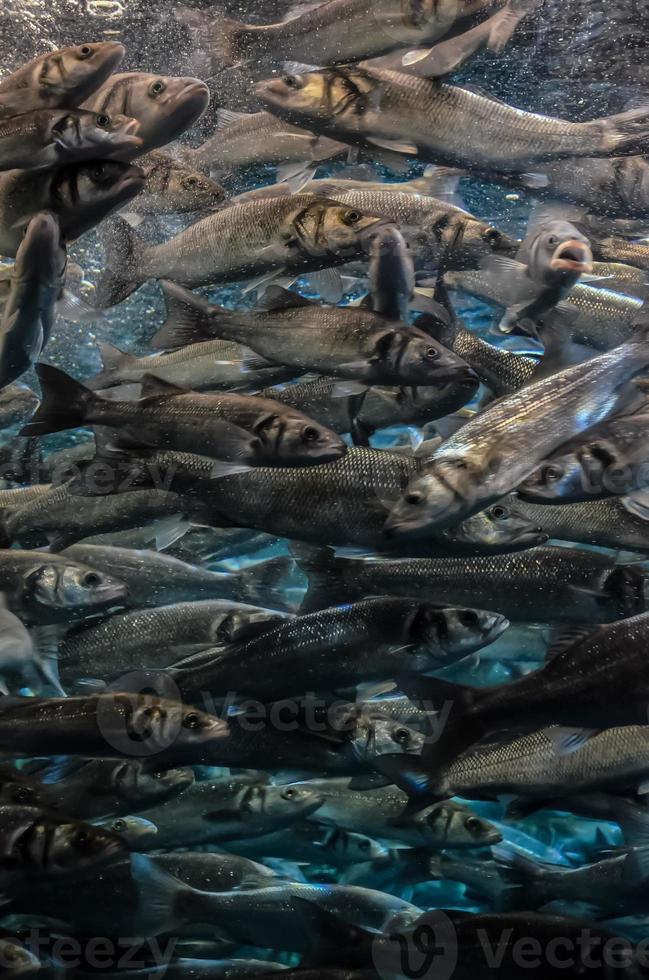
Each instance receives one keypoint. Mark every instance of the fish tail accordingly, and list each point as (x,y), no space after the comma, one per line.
(220,41)
(114,361)
(188,318)
(123,250)
(264,584)
(318,564)
(523,880)
(64,404)
(409,773)
(625,133)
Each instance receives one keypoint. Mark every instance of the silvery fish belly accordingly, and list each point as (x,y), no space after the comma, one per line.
(324,490)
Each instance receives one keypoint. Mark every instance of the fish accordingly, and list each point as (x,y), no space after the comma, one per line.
(363,484)
(37,844)
(462,477)
(156,579)
(315,844)
(543,764)
(252,139)
(59,79)
(612,248)
(44,138)
(263,240)
(219,871)
(17,403)
(67,404)
(398,631)
(17,960)
(611,523)
(207,366)
(95,788)
(440,123)
(108,726)
(164,106)
(43,588)
(136,832)
(608,460)
(530,586)
(375,811)
(37,283)
(20,656)
(331,33)
(391,275)
(364,411)
(350,343)
(154,638)
(593,315)
(212,812)
(574,687)
(79,194)
(172,187)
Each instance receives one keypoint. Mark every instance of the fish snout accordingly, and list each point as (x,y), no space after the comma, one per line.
(572,256)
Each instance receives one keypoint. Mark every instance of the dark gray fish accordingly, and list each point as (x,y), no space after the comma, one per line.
(217,872)
(37,282)
(172,187)
(532,586)
(370,640)
(45,138)
(59,78)
(611,523)
(391,275)
(442,123)
(315,844)
(79,194)
(259,240)
(351,343)
(164,106)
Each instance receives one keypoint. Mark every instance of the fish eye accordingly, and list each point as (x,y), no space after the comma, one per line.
(291,81)
(91,579)
(431,354)
(9,955)
(553,473)
(119,826)
(22,795)
(458,464)
(468,618)
(103,120)
(157,87)
(414,497)
(191,720)
(85,51)
(553,240)
(364,845)
(473,825)
(191,182)
(351,217)
(491,236)
(310,433)
(499,513)
(82,839)
(401,735)
(289,793)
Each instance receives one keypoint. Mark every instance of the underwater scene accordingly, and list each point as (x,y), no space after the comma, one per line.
(324,500)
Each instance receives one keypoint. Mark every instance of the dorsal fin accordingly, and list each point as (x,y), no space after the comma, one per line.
(278,298)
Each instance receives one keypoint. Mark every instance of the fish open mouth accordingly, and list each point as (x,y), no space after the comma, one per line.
(572,256)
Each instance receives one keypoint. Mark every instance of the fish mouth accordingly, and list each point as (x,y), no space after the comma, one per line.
(275,86)
(572,256)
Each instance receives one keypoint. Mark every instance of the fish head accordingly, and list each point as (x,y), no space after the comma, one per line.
(454,632)
(325,228)
(74,845)
(501,526)
(458,826)
(138,783)
(16,960)
(73,586)
(467,241)
(133,831)
(96,132)
(356,847)
(317,97)
(289,439)
(626,591)
(558,253)
(415,358)
(187,190)
(164,105)
(23,794)
(383,736)
(42,249)
(164,724)
(564,478)
(437,498)
(632,180)
(290,801)
(84,193)
(65,77)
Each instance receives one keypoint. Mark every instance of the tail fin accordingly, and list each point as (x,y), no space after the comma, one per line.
(409,774)
(319,566)
(264,584)
(523,880)
(64,403)
(216,36)
(457,727)
(114,361)
(188,318)
(123,251)
(626,133)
